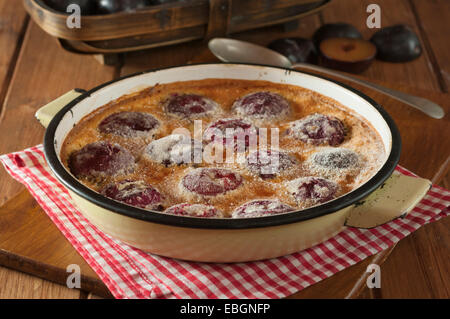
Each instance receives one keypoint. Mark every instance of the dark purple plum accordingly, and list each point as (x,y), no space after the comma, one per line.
(243,132)
(87,6)
(100,159)
(319,129)
(114,6)
(189,105)
(128,124)
(261,105)
(268,163)
(260,208)
(312,190)
(335,30)
(135,193)
(398,43)
(211,181)
(336,158)
(193,210)
(297,50)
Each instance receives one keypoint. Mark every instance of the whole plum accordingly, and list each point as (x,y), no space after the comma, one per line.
(87,6)
(113,6)
(397,43)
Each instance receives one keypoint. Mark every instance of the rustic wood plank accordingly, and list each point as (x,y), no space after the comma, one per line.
(346,283)
(17,285)
(419,266)
(160,57)
(171,57)
(48,256)
(434,23)
(22,221)
(392,12)
(446,182)
(37,80)
(13,22)
(307,26)
(198,52)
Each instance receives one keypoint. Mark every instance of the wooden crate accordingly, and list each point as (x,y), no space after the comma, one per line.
(167,24)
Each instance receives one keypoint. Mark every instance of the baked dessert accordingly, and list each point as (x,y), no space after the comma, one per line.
(223,148)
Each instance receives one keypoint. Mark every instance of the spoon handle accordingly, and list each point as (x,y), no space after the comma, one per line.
(426,106)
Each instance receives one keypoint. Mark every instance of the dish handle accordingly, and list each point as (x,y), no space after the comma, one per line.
(45,114)
(395,198)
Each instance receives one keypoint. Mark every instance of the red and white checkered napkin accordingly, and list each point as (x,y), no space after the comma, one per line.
(131,273)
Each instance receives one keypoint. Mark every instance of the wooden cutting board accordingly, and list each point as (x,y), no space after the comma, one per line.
(31,243)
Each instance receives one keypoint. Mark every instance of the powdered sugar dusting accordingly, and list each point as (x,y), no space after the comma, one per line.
(319,129)
(261,105)
(159,159)
(194,210)
(173,149)
(309,191)
(261,207)
(190,105)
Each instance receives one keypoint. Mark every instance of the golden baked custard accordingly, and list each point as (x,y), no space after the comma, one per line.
(223,148)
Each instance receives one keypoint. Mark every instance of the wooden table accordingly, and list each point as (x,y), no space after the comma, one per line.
(34,70)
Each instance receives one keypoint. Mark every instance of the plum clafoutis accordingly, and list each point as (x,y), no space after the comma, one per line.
(398,43)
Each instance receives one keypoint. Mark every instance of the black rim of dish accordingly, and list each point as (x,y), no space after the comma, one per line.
(216,223)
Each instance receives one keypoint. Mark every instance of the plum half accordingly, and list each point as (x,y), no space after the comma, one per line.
(397,43)
(349,55)
(297,50)
(335,30)
(211,181)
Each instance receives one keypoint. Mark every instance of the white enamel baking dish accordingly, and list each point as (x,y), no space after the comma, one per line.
(384,197)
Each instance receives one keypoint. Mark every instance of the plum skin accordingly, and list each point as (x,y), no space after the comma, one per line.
(243,130)
(305,189)
(258,160)
(335,30)
(397,43)
(211,181)
(183,210)
(134,193)
(113,6)
(189,105)
(262,104)
(87,7)
(99,159)
(297,50)
(264,208)
(300,129)
(128,124)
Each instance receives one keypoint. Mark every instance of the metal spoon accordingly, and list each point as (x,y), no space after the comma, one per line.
(230,50)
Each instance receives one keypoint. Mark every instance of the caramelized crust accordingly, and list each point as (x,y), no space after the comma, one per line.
(360,137)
